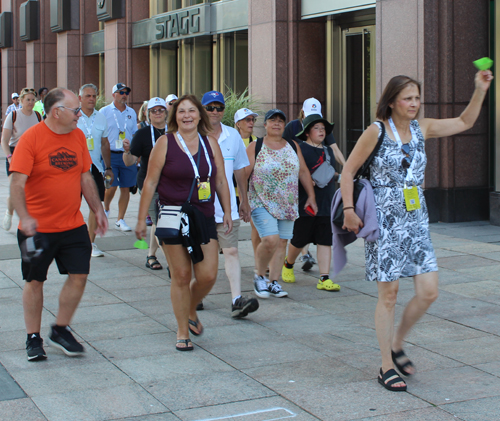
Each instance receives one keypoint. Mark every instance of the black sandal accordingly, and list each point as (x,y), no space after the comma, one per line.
(195,325)
(155,263)
(402,367)
(383,379)
(185,342)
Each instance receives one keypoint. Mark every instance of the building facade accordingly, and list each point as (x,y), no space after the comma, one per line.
(342,52)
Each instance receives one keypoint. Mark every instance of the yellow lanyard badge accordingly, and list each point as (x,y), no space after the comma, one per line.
(90,143)
(204,191)
(411,198)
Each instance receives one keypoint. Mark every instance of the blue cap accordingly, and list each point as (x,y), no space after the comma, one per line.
(212,96)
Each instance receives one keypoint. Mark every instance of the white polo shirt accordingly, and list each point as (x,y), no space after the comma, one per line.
(127,122)
(96,127)
(235,158)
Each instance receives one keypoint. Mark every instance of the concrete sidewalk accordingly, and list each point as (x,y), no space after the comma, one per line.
(311,356)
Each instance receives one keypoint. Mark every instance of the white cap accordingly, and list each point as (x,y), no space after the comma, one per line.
(15,95)
(311,106)
(156,102)
(120,87)
(171,97)
(243,113)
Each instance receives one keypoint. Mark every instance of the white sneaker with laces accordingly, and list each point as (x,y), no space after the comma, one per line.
(96,252)
(7,221)
(276,291)
(260,286)
(122,225)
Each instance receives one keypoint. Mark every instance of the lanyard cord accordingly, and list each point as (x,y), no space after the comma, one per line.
(89,131)
(117,125)
(409,172)
(195,167)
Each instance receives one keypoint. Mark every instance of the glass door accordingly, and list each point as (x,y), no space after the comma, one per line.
(358,45)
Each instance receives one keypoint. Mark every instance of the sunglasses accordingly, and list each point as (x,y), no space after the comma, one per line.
(28,91)
(406,162)
(171,103)
(75,110)
(211,108)
(158,111)
(250,119)
(123,92)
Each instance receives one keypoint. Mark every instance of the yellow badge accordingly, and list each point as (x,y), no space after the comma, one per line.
(204,193)
(121,136)
(411,198)
(90,143)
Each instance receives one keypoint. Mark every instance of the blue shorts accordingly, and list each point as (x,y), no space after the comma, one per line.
(123,176)
(267,224)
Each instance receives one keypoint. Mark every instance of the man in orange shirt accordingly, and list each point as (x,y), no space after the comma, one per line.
(50,169)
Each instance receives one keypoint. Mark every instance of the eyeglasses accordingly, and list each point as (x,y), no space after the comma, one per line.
(75,110)
(250,119)
(211,108)
(122,92)
(158,111)
(406,162)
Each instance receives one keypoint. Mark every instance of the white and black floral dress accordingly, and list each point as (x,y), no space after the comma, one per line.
(404,246)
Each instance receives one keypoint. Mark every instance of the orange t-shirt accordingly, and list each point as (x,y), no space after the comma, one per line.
(54,165)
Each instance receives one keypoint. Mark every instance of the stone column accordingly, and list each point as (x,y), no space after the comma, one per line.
(435,41)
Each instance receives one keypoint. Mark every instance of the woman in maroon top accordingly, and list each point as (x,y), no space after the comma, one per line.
(171,169)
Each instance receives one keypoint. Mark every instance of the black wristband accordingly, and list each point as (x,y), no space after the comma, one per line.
(108,168)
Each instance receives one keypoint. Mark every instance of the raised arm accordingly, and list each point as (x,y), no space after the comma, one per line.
(432,128)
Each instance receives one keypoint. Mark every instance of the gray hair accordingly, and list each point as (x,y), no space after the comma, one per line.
(87,85)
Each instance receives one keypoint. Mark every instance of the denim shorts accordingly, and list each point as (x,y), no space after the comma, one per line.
(123,176)
(267,224)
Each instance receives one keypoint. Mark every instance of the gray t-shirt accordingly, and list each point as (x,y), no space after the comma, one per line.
(23,123)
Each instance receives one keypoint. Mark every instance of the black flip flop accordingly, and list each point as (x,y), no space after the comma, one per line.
(185,342)
(401,367)
(382,379)
(195,324)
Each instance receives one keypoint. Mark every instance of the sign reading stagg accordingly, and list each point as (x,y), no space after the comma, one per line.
(177,24)
(188,22)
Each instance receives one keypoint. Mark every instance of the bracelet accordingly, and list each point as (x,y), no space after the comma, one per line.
(9,156)
(126,153)
(348,207)
(108,168)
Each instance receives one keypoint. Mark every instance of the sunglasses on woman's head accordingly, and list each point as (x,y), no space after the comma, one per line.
(211,108)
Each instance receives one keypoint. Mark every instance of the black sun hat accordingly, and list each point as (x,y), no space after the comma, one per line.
(310,121)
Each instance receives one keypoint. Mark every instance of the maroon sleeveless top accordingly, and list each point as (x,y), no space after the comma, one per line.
(177,176)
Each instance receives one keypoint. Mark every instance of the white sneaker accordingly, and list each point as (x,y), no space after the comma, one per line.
(276,291)
(122,225)
(106,212)
(7,221)
(96,252)
(260,286)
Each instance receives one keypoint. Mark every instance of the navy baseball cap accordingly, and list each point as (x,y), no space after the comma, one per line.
(273,112)
(212,96)
(120,87)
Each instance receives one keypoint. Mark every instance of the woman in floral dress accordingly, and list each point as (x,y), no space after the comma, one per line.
(404,246)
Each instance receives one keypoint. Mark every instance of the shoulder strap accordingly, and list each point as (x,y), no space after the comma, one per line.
(258,145)
(14,116)
(292,144)
(364,171)
(327,154)
(38,116)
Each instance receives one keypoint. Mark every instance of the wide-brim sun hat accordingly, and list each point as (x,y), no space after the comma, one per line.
(243,113)
(310,121)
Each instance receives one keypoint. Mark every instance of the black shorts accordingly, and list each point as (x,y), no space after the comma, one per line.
(212,233)
(71,249)
(312,229)
(99,181)
(7,165)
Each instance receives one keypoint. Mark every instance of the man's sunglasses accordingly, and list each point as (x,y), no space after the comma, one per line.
(75,110)
(406,162)
(211,108)
(123,92)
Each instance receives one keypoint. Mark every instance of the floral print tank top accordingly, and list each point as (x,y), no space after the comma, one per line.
(274,183)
